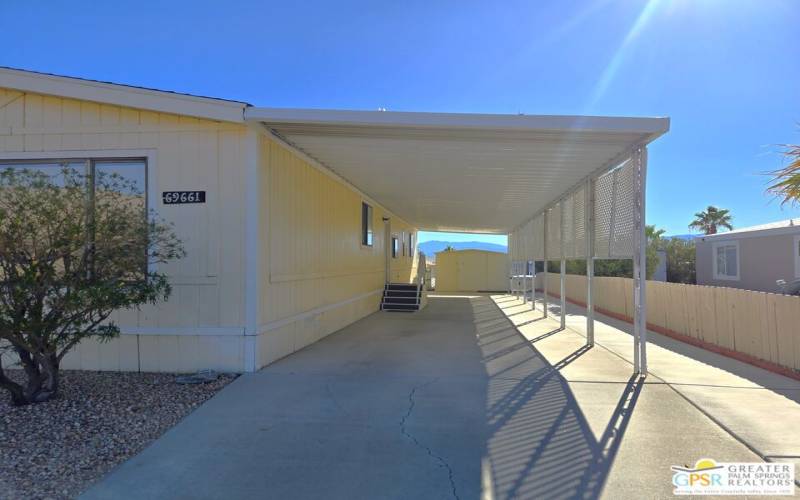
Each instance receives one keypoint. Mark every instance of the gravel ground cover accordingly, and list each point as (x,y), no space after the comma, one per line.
(58,448)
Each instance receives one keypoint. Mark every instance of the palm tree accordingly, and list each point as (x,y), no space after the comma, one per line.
(653,235)
(711,219)
(786,181)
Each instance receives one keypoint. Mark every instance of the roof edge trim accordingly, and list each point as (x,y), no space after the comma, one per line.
(403,119)
(123,95)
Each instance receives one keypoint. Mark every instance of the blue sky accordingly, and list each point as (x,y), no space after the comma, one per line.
(725,71)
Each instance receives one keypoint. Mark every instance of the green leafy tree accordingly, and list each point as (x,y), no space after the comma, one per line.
(711,219)
(680,261)
(69,256)
(449,248)
(785,182)
(622,268)
(655,244)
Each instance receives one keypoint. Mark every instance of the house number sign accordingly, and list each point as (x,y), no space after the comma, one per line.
(179,197)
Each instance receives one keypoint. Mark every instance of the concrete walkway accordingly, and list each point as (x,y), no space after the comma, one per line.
(451,402)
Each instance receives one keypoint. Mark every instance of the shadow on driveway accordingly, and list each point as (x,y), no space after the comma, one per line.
(450,402)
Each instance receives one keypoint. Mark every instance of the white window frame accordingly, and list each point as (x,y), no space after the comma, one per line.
(727,243)
(796,253)
(149,155)
(370,225)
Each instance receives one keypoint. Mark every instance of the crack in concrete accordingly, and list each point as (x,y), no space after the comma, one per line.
(404,431)
(335,401)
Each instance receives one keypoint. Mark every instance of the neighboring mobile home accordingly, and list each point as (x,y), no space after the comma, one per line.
(294,220)
(752,258)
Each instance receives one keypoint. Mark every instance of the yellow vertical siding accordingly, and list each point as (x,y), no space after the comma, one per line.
(316,276)
(190,154)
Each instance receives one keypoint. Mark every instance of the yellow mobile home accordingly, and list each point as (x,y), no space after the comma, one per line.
(271,266)
(298,222)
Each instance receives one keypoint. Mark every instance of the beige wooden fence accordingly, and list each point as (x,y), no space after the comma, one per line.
(759,325)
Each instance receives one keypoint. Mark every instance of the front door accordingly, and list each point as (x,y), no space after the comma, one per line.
(387,247)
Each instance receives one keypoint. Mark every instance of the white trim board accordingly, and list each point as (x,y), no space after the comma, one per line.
(464,121)
(726,243)
(756,233)
(150,155)
(274,325)
(203,331)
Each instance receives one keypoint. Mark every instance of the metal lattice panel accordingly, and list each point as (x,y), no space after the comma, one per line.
(624,213)
(614,213)
(568,226)
(529,241)
(603,208)
(513,245)
(579,224)
(524,242)
(554,232)
(574,226)
(537,231)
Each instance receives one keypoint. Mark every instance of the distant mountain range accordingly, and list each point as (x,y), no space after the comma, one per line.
(683,236)
(429,248)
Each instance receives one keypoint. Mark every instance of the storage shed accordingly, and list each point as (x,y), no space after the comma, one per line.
(471,271)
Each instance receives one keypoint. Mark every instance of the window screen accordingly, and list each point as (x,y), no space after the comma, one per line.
(727,261)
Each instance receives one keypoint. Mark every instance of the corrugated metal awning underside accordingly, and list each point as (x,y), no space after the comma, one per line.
(460,172)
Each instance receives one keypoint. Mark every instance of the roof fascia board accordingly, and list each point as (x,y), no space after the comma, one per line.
(123,95)
(652,127)
(755,233)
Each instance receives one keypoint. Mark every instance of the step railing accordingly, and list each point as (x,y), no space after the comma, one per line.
(421,268)
(520,274)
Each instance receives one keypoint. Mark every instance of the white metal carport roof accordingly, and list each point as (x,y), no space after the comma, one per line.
(460,172)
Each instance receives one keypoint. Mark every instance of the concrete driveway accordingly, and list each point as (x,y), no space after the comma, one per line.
(450,402)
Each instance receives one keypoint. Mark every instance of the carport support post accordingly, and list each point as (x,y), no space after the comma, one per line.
(511,279)
(589,214)
(563,288)
(639,159)
(544,272)
(514,278)
(524,283)
(532,263)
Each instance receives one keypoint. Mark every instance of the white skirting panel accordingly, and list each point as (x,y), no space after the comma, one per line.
(279,339)
(159,353)
(188,352)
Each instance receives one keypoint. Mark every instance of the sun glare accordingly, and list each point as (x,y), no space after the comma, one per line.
(610,72)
